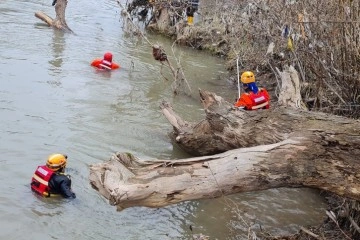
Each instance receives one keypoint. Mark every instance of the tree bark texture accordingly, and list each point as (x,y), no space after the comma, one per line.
(226,127)
(246,151)
(59,22)
(162,20)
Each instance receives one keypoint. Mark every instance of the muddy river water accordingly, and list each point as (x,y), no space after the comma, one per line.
(51,100)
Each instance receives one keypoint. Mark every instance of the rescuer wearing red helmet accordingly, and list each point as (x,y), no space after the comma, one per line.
(105,63)
(254,98)
(50,180)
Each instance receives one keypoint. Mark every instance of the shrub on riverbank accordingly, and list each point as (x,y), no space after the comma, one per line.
(320,38)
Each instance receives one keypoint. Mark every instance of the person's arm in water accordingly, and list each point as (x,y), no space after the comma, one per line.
(62,185)
(65,188)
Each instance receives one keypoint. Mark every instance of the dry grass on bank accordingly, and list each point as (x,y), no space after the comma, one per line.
(321,39)
(324,37)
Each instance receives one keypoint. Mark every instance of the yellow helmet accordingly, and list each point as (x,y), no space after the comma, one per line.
(247,77)
(56,161)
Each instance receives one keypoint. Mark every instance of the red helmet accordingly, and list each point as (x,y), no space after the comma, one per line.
(108,56)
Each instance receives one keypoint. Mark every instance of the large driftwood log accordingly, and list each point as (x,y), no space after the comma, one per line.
(59,22)
(280,147)
(324,155)
(226,128)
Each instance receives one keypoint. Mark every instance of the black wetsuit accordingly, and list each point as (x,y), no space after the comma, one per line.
(61,184)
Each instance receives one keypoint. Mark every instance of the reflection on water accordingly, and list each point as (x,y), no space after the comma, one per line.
(58,45)
(51,100)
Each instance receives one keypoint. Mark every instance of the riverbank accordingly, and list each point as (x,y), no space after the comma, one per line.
(264,37)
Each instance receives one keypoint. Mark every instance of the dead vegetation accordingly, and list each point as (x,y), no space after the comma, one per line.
(342,222)
(321,39)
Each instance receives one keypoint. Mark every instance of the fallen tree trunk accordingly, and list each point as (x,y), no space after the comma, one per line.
(280,147)
(59,22)
(166,15)
(127,182)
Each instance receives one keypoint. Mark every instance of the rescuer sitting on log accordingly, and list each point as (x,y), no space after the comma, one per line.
(49,180)
(253,98)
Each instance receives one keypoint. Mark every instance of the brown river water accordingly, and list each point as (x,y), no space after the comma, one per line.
(51,100)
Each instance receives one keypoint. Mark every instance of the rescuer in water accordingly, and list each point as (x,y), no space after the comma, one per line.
(105,63)
(50,179)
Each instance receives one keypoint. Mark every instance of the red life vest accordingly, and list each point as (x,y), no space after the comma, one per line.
(103,64)
(40,180)
(259,100)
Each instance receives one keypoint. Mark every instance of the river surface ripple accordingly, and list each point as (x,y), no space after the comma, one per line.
(51,100)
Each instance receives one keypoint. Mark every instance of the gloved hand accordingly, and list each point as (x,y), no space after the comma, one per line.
(54,2)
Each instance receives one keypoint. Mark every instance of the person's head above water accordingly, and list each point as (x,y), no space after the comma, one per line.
(105,63)
(56,162)
(108,56)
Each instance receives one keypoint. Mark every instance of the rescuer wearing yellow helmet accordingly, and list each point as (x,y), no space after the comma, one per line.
(254,98)
(49,179)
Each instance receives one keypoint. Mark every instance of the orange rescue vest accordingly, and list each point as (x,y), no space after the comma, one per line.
(102,64)
(40,181)
(254,101)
